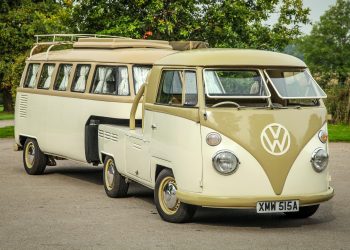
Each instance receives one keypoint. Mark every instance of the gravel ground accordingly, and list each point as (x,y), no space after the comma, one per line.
(66,208)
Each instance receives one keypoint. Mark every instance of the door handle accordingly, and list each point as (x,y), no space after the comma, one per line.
(153,126)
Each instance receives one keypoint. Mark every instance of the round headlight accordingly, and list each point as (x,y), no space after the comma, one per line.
(225,162)
(213,139)
(323,136)
(319,160)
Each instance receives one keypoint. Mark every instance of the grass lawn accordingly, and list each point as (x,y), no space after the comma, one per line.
(339,132)
(7,132)
(5,115)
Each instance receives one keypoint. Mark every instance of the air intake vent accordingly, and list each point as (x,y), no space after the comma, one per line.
(101,133)
(107,135)
(23,105)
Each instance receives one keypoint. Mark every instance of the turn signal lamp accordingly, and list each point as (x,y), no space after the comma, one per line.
(323,136)
(213,139)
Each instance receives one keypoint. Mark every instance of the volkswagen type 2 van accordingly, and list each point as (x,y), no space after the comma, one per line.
(226,128)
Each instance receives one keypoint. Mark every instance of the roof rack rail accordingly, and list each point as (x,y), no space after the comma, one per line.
(52,40)
(71,37)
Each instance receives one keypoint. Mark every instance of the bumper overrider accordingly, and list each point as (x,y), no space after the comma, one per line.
(250,201)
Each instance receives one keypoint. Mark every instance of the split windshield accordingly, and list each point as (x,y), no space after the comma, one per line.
(294,84)
(261,88)
(235,83)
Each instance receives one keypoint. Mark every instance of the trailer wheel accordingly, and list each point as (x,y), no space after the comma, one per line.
(34,159)
(303,212)
(168,206)
(113,182)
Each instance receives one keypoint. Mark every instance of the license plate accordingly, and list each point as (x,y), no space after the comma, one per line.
(277,206)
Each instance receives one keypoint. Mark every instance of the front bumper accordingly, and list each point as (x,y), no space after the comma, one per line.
(248,201)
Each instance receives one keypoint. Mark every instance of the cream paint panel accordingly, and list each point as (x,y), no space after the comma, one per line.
(302,179)
(251,180)
(177,140)
(34,122)
(122,155)
(248,180)
(59,122)
(137,157)
(116,149)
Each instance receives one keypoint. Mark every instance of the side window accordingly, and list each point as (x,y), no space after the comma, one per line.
(171,88)
(80,77)
(111,80)
(46,76)
(191,93)
(61,81)
(32,72)
(140,75)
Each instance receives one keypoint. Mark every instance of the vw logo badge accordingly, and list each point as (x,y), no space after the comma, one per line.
(275,139)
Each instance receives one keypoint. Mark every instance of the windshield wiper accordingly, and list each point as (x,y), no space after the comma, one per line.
(282,107)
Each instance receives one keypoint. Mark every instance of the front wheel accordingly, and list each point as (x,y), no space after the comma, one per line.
(168,206)
(303,212)
(113,182)
(33,158)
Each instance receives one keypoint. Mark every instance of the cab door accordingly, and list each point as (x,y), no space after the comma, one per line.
(175,129)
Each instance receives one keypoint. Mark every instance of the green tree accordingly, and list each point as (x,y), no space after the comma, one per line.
(223,23)
(160,19)
(242,23)
(20,20)
(327,48)
(327,52)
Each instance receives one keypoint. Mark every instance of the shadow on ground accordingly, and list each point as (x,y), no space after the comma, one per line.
(88,174)
(205,216)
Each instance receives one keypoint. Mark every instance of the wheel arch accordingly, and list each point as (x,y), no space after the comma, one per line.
(104,155)
(159,168)
(23,138)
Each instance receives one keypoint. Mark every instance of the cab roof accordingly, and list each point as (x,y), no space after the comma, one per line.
(230,57)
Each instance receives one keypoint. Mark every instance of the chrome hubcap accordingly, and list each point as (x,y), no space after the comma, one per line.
(169,192)
(110,174)
(30,155)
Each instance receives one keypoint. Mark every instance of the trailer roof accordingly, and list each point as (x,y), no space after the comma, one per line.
(230,57)
(121,55)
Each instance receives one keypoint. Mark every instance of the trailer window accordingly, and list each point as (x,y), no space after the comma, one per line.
(32,72)
(80,77)
(111,80)
(62,77)
(46,76)
(140,74)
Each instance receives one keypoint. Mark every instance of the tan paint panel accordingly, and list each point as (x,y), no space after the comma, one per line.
(245,202)
(245,128)
(231,57)
(187,113)
(97,97)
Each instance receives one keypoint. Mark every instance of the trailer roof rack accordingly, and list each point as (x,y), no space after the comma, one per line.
(80,41)
(52,40)
(117,43)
